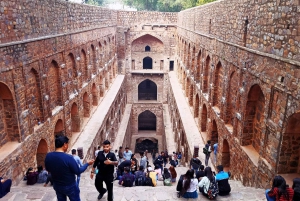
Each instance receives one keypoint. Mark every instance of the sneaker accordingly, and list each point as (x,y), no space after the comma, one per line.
(101,195)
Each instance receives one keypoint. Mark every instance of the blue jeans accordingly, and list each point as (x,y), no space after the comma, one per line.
(268,197)
(72,191)
(78,180)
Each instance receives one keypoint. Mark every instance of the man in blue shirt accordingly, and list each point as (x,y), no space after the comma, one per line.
(127,154)
(63,169)
(79,163)
(222,179)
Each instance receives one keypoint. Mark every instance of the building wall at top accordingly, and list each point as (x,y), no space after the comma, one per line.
(22,20)
(267,26)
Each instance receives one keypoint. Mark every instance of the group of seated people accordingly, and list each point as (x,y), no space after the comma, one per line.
(39,176)
(128,178)
(209,183)
(282,192)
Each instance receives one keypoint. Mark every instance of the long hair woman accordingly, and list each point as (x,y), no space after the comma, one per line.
(205,181)
(173,173)
(279,191)
(189,189)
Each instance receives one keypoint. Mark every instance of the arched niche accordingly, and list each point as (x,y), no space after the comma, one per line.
(139,44)
(147,90)
(147,63)
(41,152)
(143,144)
(147,48)
(59,128)
(75,118)
(147,121)
(9,127)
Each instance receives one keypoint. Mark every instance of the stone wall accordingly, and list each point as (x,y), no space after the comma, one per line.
(138,18)
(24,20)
(247,113)
(270,27)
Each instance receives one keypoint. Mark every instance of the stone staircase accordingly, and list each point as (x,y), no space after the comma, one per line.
(88,192)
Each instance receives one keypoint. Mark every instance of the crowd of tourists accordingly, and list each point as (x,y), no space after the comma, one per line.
(133,172)
(63,171)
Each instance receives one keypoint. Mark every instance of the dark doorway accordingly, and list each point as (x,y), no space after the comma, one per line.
(147,63)
(171,65)
(147,121)
(147,49)
(147,90)
(142,146)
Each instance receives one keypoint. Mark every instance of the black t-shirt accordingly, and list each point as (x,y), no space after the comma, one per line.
(126,163)
(105,170)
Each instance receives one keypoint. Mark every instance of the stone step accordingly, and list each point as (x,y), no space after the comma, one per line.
(88,192)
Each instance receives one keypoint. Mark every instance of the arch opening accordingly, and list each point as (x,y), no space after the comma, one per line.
(41,153)
(86,105)
(147,48)
(59,128)
(147,90)
(143,144)
(147,121)
(225,154)
(147,63)
(254,116)
(289,161)
(94,94)
(203,118)
(9,128)
(75,118)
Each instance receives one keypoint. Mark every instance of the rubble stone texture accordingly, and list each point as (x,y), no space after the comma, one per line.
(237,63)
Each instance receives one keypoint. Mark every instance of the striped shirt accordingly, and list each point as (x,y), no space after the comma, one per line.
(275,193)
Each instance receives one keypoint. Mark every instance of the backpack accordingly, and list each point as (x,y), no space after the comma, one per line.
(148,181)
(205,151)
(213,190)
(127,181)
(167,182)
(140,180)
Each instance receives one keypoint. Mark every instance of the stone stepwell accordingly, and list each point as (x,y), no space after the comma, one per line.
(88,192)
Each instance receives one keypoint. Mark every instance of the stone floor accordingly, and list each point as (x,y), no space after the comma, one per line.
(22,192)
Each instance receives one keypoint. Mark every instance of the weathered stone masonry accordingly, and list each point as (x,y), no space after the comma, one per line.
(243,83)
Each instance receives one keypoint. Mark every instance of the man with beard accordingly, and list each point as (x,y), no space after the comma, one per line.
(105,162)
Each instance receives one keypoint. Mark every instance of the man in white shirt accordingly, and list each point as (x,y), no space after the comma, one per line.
(96,152)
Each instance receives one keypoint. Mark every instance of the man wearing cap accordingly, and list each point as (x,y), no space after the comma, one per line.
(63,169)
(105,162)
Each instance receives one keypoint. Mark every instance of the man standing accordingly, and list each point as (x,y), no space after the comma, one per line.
(160,160)
(207,151)
(63,169)
(215,152)
(121,157)
(105,162)
(79,163)
(127,154)
(96,152)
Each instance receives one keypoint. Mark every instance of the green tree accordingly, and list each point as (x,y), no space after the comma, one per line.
(169,5)
(165,5)
(201,2)
(94,2)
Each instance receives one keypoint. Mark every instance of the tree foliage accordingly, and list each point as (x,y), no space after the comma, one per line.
(94,2)
(165,5)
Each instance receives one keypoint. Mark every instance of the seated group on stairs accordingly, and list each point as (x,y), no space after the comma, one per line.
(132,172)
(208,183)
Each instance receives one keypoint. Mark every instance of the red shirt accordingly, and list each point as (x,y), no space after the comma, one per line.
(275,193)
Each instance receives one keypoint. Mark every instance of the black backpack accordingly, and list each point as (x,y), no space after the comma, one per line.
(140,180)
(148,181)
(127,181)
